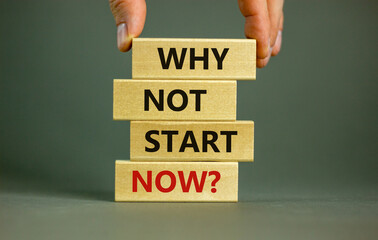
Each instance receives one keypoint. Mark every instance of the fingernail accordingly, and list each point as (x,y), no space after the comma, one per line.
(123,38)
(270,52)
(268,47)
(277,44)
(278,35)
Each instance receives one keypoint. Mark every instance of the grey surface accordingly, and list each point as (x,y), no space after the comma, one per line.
(263,216)
(315,110)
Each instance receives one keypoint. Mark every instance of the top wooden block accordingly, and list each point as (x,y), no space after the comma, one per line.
(172,58)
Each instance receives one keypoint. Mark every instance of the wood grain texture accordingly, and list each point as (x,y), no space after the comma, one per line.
(238,62)
(189,141)
(169,181)
(205,100)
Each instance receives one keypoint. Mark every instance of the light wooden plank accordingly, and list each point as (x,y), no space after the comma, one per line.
(169,182)
(195,58)
(174,100)
(191,141)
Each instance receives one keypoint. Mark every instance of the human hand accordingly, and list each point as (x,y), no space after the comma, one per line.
(263,22)
(130,16)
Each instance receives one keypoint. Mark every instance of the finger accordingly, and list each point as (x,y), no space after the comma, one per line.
(130,16)
(260,63)
(275,13)
(277,45)
(257,24)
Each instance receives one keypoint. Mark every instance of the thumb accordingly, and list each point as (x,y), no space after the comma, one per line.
(130,16)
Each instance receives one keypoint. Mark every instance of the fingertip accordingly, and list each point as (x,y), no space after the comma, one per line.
(263,49)
(125,46)
(130,17)
(261,63)
(277,45)
(124,40)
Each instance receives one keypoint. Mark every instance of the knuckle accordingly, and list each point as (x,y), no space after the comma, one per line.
(117,6)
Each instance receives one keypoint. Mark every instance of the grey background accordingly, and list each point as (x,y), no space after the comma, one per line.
(314,106)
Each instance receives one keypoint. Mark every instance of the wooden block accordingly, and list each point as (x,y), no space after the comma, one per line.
(174,100)
(191,141)
(170,58)
(176,182)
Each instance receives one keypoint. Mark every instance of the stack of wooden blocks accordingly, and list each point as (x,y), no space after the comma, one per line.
(185,142)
